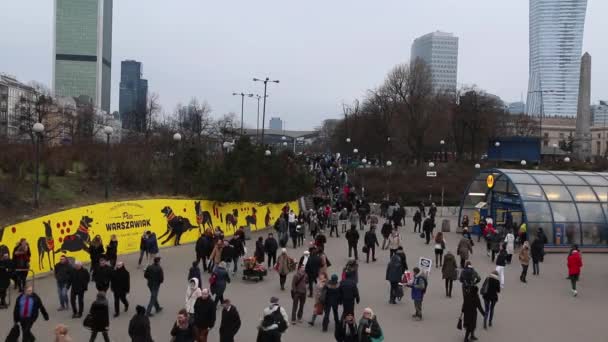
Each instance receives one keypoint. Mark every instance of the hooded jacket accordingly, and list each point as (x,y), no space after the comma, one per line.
(493,288)
(394,270)
(193,291)
(139,326)
(575,263)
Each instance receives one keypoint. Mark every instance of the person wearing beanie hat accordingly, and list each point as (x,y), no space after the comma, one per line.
(283,267)
(139,326)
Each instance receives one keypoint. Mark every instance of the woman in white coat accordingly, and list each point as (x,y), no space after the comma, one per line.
(193,291)
(510,242)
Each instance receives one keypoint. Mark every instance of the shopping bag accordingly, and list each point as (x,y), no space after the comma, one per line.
(13,335)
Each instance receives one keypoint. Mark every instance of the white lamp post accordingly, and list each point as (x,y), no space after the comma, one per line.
(177,138)
(38,128)
(267,153)
(431,165)
(567,159)
(523,163)
(108,130)
(477,166)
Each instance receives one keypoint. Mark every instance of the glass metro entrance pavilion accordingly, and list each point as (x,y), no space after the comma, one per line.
(571,207)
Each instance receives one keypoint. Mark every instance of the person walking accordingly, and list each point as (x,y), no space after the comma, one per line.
(61,334)
(346,330)
(151,246)
(63,270)
(28,306)
(353,218)
(524,260)
(259,250)
(537,252)
(469,277)
(155,277)
(449,272)
(221,281)
(427,227)
(139,326)
(352,237)
(312,269)
(371,241)
(402,257)
(283,267)
(330,302)
(112,250)
(270,247)
(575,263)
(143,249)
(334,220)
(121,286)
(394,274)
(417,222)
(501,262)
(349,294)
(319,296)
(489,291)
(103,275)
(79,284)
(273,323)
(238,246)
(231,322)
(96,251)
(195,272)
(183,330)
(394,241)
(216,255)
(298,295)
(203,248)
(369,329)
(510,246)
(470,305)
(21,263)
(386,230)
(193,291)
(6,270)
(204,315)
(439,248)
(464,249)
(418,285)
(99,318)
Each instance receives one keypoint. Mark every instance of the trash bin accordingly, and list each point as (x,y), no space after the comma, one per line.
(445,226)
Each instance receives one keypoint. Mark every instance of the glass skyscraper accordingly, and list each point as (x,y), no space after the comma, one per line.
(439,50)
(133,96)
(83,50)
(556,41)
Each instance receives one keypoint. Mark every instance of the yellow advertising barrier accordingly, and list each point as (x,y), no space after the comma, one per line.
(71,231)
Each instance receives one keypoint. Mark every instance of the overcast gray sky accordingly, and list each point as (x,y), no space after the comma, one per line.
(324,53)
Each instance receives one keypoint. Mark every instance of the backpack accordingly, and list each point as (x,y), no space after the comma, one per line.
(485,286)
(278,319)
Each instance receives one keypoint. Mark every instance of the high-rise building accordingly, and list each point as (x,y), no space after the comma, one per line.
(11,93)
(599,114)
(83,50)
(133,96)
(516,107)
(556,40)
(439,50)
(275,124)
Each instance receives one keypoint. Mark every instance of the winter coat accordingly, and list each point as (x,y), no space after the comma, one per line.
(103,278)
(299,282)
(493,288)
(259,251)
(349,292)
(221,279)
(79,280)
(112,250)
(229,253)
(510,241)
(142,243)
(342,328)
(313,266)
(192,294)
(6,270)
(403,259)
(268,331)
(417,217)
(37,308)
(419,286)
(238,245)
(216,254)
(100,315)
(354,218)
(121,280)
(62,272)
(394,241)
(139,327)
(271,245)
(204,246)
(464,248)
(185,334)
(469,277)
(283,264)
(152,244)
(575,263)
(231,322)
(449,270)
(204,313)
(371,239)
(471,304)
(352,236)
(373,325)
(155,275)
(537,250)
(332,294)
(195,272)
(96,251)
(524,256)
(394,270)
(324,263)
(386,230)
(428,225)
(501,258)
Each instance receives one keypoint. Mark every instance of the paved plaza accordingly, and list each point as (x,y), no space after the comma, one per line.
(541,310)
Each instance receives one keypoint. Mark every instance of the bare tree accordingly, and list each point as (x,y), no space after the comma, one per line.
(193,120)
(153,109)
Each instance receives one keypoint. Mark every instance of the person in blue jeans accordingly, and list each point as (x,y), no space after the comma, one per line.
(155,277)
(489,291)
(63,270)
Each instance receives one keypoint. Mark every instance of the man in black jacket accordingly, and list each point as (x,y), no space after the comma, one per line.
(427,227)
(270,247)
(155,276)
(103,275)
(204,245)
(238,244)
(79,283)
(349,293)
(204,315)
(139,326)
(62,276)
(231,322)
(312,268)
(6,269)
(121,285)
(28,306)
(352,236)
(371,241)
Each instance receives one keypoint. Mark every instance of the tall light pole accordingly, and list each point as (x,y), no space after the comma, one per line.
(497,145)
(108,130)
(177,138)
(266,80)
(388,180)
(431,166)
(38,129)
(242,95)
(442,155)
(257,126)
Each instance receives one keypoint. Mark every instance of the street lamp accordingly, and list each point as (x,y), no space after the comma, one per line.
(477,166)
(38,129)
(364,161)
(257,125)
(266,80)
(177,138)
(523,163)
(431,165)
(388,180)
(348,140)
(497,145)
(567,159)
(442,155)
(355,151)
(242,95)
(267,153)
(108,130)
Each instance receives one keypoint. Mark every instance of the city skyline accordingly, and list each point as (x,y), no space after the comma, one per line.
(321,63)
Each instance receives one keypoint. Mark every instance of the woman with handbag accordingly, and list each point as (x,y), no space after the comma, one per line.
(369,330)
(439,248)
(449,272)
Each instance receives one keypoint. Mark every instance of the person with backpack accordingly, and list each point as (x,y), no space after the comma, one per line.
(419,286)
(470,305)
(439,248)
(273,323)
(489,292)
(469,277)
(575,263)
(370,242)
(449,272)
(218,282)
(394,272)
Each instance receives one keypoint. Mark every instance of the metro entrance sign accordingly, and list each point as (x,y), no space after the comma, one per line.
(431,173)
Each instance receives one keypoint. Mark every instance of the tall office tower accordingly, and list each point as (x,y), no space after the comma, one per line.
(275,124)
(439,50)
(133,96)
(556,41)
(83,50)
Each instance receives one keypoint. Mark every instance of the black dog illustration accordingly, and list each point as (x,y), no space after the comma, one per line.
(203,218)
(46,244)
(232,219)
(268,218)
(252,219)
(79,240)
(176,226)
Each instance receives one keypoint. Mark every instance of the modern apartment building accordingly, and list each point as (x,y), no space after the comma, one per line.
(556,40)
(133,96)
(83,50)
(11,93)
(275,124)
(439,50)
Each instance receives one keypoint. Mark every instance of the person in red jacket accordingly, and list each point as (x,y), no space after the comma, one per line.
(575,263)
